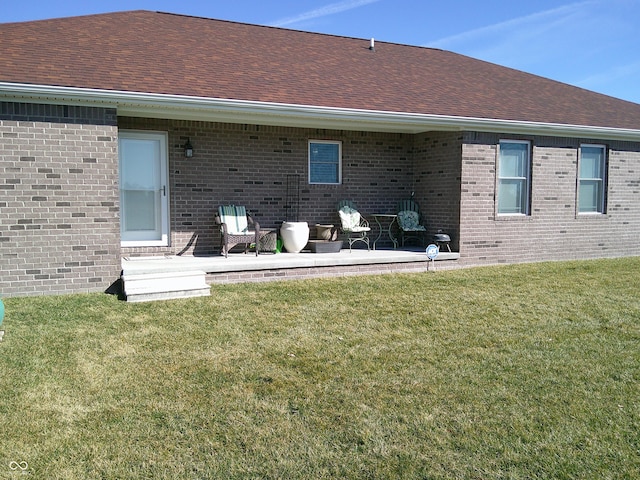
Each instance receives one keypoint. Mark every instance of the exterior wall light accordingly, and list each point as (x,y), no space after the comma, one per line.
(188,149)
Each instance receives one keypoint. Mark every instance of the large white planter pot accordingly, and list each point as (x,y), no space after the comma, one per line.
(295,236)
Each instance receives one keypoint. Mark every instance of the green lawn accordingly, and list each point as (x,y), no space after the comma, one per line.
(528,371)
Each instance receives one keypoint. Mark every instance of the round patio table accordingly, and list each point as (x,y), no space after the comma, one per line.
(392,219)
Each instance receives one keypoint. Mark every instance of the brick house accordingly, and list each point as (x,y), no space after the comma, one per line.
(95,112)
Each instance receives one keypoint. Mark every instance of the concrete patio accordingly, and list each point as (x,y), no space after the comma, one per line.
(181,276)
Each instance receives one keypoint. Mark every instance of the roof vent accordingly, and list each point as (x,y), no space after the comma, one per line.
(372,45)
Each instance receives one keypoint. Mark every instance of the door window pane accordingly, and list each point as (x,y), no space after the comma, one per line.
(139,211)
(140,168)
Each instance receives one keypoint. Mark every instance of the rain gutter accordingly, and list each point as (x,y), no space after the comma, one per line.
(183,107)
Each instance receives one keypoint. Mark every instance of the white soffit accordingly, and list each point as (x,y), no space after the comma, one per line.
(180,107)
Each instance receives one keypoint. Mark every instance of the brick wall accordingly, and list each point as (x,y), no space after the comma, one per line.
(554,230)
(249,164)
(59,200)
(437,181)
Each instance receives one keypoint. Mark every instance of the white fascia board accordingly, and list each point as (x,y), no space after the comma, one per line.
(182,107)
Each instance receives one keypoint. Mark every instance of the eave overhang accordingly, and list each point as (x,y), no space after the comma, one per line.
(182,107)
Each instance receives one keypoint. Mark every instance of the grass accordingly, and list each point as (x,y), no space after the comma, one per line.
(528,371)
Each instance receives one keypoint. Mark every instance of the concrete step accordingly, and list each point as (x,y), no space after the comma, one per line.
(146,287)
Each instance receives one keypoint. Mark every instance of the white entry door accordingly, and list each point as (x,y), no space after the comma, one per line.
(144,206)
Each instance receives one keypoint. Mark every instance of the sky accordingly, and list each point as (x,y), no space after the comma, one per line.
(592,44)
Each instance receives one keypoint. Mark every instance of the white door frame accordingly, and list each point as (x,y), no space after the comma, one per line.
(160,236)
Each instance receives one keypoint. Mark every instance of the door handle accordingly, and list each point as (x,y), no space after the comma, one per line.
(164,190)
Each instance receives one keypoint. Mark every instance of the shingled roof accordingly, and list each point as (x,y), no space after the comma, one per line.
(168,54)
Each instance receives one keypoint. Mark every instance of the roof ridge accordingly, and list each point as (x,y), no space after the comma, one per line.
(221,20)
(307,32)
(73,17)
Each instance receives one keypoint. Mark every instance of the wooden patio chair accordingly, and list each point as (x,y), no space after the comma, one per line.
(353,224)
(235,223)
(409,222)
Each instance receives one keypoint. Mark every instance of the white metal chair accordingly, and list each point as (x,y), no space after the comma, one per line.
(353,224)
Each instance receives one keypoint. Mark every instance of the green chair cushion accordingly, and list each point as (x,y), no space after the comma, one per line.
(409,221)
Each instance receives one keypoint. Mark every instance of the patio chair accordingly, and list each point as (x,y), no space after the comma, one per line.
(352,224)
(234,224)
(409,222)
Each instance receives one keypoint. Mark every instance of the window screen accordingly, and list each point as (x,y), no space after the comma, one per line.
(325,161)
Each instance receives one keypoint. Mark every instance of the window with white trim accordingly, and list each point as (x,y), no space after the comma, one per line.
(325,162)
(592,166)
(514,177)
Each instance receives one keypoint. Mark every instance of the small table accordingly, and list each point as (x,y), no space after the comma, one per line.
(268,241)
(394,218)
